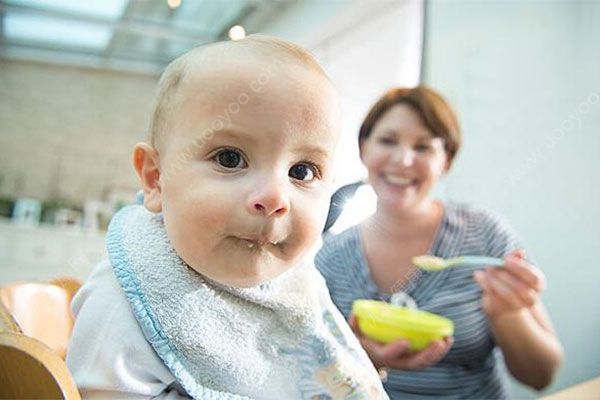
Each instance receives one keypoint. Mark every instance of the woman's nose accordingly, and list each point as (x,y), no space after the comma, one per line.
(269,198)
(404,156)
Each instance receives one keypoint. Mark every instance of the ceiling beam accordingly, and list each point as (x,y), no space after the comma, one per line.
(80,59)
(14,43)
(115,33)
(268,10)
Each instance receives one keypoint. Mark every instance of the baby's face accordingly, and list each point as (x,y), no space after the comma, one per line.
(252,195)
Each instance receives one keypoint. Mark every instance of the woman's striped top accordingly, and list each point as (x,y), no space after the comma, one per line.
(473,367)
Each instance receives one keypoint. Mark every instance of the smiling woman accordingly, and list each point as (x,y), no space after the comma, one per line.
(407,142)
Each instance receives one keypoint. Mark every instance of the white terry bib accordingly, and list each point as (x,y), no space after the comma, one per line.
(283,339)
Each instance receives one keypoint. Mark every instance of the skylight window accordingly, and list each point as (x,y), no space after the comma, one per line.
(110,9)
(55,31)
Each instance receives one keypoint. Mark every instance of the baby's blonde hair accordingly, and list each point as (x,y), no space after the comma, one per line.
(270,47)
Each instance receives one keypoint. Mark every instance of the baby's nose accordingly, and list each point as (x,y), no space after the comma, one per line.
(269,199)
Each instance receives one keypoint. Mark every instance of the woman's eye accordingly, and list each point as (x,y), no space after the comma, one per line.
(303,172)
(230,159)
(422,147)
(386,140)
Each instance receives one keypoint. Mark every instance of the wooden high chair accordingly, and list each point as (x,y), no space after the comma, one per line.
(42,311)
(69,284)
(30,370)
(7,322)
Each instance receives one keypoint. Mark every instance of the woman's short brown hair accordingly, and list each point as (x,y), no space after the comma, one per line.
(434,110)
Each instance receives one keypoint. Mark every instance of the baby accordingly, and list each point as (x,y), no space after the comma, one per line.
(209,291)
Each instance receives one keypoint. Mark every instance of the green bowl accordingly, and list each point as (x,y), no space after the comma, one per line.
(386,323)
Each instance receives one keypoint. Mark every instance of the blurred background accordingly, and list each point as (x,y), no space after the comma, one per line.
(77,81)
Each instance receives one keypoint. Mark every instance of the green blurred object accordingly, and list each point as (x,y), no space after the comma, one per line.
(6,207)
(51,207)
(385,323)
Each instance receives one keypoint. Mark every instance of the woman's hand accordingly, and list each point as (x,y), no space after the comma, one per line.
(397,355)
(518,320)
(510,289)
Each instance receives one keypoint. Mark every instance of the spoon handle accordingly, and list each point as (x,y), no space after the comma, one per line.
(478,260)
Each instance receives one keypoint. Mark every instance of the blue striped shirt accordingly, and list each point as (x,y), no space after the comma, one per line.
(473,367)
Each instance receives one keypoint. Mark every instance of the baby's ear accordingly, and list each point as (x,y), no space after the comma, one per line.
(147,167)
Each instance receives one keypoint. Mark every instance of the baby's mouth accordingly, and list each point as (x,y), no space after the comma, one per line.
(257,243)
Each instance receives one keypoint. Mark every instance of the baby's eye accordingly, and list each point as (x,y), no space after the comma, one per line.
(231,159)
(304,172)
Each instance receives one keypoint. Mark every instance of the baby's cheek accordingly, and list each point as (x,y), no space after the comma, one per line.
(309,223)
(193,225)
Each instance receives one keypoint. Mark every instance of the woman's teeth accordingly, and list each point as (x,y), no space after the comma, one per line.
(397,180)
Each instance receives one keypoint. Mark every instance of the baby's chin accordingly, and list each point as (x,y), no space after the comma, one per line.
(244,277)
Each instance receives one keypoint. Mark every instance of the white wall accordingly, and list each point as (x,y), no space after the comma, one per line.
(68,133)
(525,79)
(43,253)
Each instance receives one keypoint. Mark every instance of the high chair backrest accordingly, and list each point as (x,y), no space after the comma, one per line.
(7,321)
(69,284)
(42,311)
(30,370)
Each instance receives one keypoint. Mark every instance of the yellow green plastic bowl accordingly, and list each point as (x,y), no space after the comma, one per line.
(386,323)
